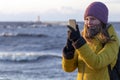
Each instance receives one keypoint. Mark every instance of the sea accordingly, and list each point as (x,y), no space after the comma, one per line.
(30,51)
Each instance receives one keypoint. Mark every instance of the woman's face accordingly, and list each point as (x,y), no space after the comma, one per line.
(91,21)
(93,26)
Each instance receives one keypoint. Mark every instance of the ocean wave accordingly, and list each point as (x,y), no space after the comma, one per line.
(26,57)
(22,35)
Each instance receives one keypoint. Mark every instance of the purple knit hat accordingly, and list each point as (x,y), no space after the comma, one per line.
(99,10)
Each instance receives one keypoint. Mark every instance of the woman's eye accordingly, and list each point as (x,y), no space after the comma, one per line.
(86,19)
(93,18)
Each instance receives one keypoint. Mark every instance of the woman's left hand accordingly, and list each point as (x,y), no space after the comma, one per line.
(73,34)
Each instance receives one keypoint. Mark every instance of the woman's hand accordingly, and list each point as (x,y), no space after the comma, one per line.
(73,35)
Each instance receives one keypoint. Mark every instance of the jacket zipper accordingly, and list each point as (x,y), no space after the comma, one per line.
(83,71)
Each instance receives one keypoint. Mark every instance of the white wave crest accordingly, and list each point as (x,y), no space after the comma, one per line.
(24,56)
(7,34)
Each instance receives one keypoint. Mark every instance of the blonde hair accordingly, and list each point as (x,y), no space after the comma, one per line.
(103,35)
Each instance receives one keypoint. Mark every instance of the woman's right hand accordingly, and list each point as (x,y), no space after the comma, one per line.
(68,50)
(69,45)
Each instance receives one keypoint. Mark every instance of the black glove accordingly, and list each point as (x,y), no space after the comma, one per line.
(73,35)
(69,45)
(68,50)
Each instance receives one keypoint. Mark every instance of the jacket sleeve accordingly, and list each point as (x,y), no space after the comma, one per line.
(69,65)
(105,56)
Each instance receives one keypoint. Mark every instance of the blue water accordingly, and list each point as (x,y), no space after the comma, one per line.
(33,52)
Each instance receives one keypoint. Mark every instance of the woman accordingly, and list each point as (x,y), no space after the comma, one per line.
(95,49)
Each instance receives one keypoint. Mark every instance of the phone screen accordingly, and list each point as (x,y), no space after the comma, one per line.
(72,23)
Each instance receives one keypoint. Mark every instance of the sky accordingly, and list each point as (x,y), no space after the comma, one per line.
(52,10)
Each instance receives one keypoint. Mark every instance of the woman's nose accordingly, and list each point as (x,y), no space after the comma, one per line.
(89,22)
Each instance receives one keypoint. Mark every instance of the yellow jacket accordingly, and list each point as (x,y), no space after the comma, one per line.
(92,59)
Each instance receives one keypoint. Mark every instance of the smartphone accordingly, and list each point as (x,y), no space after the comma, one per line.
(72,23)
